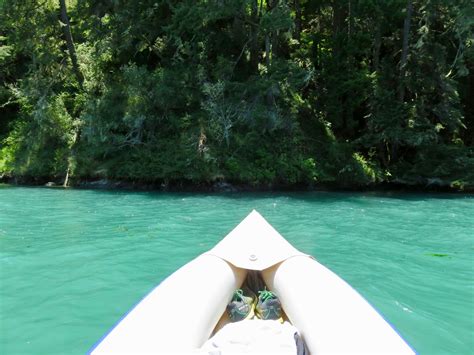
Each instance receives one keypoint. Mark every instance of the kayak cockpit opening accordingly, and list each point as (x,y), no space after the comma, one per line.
(260,326)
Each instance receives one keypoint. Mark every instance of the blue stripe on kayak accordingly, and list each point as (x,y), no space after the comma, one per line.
(377,311)
(394,329)
(121,319)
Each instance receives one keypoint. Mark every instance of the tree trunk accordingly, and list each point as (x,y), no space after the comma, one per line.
(269,35)
(268,49)
(66,26)
(469,105)
(377,45)
(404,58)
(254,15)
(297,19)
(349,20)
(72,157)
(268,53)
(339,15)
(339,40)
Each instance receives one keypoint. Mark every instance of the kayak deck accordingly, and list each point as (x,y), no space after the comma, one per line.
(330,315)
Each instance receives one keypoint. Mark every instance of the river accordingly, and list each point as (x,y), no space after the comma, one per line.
(72,262)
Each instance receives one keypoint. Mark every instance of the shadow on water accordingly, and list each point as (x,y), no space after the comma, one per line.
(309,195)
(324,196)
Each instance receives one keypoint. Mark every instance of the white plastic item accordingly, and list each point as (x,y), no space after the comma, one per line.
(178,315)
(253,337)
(329,314)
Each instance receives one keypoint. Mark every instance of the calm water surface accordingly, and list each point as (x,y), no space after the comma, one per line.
(72,262)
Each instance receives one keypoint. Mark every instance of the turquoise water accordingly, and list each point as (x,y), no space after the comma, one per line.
(72,262)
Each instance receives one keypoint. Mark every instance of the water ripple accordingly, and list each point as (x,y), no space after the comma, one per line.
(74,261)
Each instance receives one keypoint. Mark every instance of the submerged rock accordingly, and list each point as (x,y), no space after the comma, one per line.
(97,184)
(437,182)
(223,186)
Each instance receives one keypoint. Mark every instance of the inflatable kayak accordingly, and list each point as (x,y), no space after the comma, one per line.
(331,317)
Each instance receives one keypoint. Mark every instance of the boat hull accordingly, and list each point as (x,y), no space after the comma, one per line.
(332,317)
(181,313)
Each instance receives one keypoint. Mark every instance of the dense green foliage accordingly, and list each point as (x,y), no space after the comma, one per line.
(262,92)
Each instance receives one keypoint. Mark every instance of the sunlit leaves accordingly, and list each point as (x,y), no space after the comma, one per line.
(256,91)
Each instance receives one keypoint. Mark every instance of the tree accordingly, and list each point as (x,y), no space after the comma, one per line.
(80,79)
(404,57)
(254,91)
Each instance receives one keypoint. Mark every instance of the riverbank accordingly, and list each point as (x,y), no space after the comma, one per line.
(222,186)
